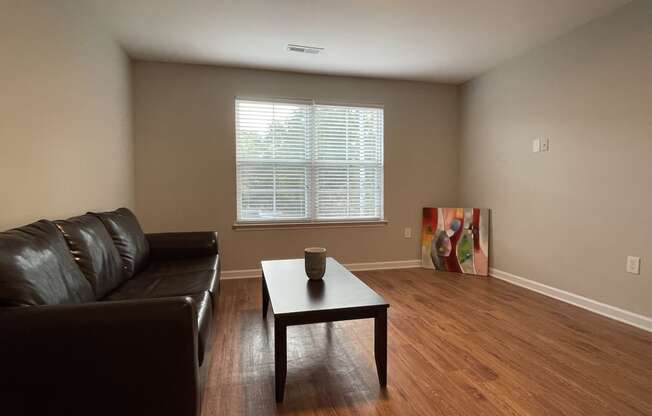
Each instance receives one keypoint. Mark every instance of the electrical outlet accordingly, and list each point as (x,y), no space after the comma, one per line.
(633,265)
(407,233)
(544,146)
(536,146)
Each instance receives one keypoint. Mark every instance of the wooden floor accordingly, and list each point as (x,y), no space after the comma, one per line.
(457,346)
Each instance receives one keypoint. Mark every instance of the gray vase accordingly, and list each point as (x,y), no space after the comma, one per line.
(315,262)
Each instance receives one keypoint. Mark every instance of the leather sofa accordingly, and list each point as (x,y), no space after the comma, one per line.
(98,318)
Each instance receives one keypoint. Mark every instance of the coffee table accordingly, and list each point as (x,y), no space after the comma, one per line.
(339,296)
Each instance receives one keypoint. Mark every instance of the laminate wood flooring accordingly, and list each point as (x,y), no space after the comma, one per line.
(457,345)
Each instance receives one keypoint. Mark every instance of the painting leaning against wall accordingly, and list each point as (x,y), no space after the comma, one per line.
(456,240)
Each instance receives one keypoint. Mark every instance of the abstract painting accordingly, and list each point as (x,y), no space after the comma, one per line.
(456,240)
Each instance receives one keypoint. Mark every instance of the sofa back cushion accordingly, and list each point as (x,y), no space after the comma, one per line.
(36,268)
(128,237)
(94,251)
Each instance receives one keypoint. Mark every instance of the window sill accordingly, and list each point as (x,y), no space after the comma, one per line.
(307,225)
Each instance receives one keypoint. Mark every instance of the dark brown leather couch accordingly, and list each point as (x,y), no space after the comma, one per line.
(98,318)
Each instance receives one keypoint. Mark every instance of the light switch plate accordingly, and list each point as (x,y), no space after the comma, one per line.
(407,233)
(543,145)
(536,146)
(633,264)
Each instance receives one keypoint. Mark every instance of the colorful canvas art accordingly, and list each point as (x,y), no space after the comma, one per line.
(456,240)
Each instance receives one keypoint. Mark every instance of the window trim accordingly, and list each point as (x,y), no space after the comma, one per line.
(283,224)
(351,222)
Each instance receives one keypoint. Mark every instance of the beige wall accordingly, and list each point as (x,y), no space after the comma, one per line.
(184,125)
(65,129)
(569,218)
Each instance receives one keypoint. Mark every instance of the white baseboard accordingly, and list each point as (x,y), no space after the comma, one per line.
(240,274)
(631,318)
(381,265)
(384,265)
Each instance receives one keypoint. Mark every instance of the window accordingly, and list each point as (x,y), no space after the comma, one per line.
(307,162)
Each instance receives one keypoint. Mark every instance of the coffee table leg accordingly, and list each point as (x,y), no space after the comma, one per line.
(280,358)
(265,297)
(380,345)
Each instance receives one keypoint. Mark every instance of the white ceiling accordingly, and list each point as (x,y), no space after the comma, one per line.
(432,40)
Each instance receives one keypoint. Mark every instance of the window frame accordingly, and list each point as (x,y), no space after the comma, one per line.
(311,221)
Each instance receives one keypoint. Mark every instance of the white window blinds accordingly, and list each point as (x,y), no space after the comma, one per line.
(308,162)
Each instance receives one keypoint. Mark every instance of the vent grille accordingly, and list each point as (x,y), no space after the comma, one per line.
(313,50)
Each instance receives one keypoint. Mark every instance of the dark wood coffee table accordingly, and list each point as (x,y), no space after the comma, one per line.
(340,296)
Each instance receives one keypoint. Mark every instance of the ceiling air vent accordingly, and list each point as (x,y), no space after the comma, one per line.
(304,49)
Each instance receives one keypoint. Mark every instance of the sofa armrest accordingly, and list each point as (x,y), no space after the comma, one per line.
(183,245)
(136,357)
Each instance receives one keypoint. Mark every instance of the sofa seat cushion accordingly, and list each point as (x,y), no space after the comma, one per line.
(193,264)
(94,251)
(204,308)
(36,268)
(147,285)
(128,238)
